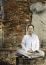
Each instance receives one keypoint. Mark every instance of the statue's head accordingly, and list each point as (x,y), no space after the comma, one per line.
(38,7)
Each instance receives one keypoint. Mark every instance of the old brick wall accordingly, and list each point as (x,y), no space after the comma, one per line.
(17,16)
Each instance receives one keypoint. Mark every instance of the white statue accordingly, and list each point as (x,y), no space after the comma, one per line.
(39,19)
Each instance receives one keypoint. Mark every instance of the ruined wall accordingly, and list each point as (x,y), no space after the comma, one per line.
(17,16)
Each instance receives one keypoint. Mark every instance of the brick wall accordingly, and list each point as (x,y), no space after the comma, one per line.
(17,16)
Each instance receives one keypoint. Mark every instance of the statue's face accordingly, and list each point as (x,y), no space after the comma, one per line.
(30,30)
(38,7)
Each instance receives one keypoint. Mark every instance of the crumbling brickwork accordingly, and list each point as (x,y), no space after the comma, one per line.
(17,16)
